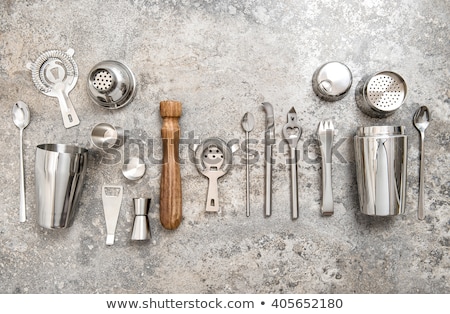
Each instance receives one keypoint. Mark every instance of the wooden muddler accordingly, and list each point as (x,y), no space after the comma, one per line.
(170,206)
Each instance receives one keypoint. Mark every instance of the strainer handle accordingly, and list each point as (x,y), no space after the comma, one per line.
(68,113)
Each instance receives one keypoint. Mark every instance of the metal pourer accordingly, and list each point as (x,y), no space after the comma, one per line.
(141,225)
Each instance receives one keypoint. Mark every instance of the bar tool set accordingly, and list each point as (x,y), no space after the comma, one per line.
(380,151)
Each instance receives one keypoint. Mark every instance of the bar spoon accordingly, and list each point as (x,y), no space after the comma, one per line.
(21,118)
(422,119)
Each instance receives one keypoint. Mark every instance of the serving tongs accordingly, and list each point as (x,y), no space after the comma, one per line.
(325,133)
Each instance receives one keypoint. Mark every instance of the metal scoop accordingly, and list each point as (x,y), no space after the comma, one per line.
(248,123)
(422,119)
(55,74)
(21,117)
(215,159)
(292,132)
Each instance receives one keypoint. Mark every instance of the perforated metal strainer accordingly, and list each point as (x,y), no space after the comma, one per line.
(111,84)
(381,94)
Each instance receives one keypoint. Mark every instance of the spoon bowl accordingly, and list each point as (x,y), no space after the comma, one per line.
(21,118)
(422,118)
(21,114)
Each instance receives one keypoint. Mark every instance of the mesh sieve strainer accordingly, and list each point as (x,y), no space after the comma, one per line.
(381,94)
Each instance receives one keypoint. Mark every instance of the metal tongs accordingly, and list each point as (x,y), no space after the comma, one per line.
(292,132)
(269,137)
(325,133)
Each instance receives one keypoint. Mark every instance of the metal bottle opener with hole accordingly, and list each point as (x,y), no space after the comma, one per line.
(112,200)
(55,73)
(214,159)
(292,132)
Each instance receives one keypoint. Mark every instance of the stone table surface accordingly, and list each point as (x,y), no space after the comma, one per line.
(222,59)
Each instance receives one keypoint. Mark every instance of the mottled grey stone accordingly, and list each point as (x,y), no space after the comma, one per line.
(222,59)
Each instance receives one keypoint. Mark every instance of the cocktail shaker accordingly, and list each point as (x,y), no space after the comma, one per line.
(381,159)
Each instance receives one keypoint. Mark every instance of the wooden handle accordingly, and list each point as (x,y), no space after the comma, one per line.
(170,206)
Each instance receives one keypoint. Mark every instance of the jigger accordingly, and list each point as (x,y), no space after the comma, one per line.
(141,225)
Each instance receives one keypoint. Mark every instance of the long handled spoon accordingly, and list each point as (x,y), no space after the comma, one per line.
(21,118)
(422,119)
(248,123)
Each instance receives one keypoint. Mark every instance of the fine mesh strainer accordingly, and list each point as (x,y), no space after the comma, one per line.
(381,94)
(111,84)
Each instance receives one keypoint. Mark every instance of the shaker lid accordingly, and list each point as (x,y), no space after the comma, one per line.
(332,81)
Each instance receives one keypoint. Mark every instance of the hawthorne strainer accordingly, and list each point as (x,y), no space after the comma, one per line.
(381,94)
(55,73)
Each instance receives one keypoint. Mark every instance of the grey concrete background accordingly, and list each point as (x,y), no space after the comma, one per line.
(222,59)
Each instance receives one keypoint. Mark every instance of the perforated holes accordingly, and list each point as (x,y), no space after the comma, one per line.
(385,92)
(102,80)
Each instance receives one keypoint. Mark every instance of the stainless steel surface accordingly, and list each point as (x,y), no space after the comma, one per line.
(325,133)
(248,123)
(292,132)
(421,120)
(214,159)
(141,225)
(112,200)
(381,158)
(111,84)
(104,135)
(133,168)
(381,94)
(21,118)
(55,73)
(59,173)
(269,138)
(332,81)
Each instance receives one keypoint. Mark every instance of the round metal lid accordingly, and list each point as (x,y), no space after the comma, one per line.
(332,81)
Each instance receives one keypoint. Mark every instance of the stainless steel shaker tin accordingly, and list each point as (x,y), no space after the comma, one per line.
(59,173)
(381,160)
(381,94)
(332,80)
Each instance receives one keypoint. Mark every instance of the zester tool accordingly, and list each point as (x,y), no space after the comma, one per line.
(292,132)
(55,73)
(269,139)
(325,133)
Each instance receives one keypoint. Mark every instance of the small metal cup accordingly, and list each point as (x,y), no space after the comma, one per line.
(104,135)
(59,171)
(141,225)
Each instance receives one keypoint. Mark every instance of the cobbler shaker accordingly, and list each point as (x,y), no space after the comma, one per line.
(381,158)
(59,173)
